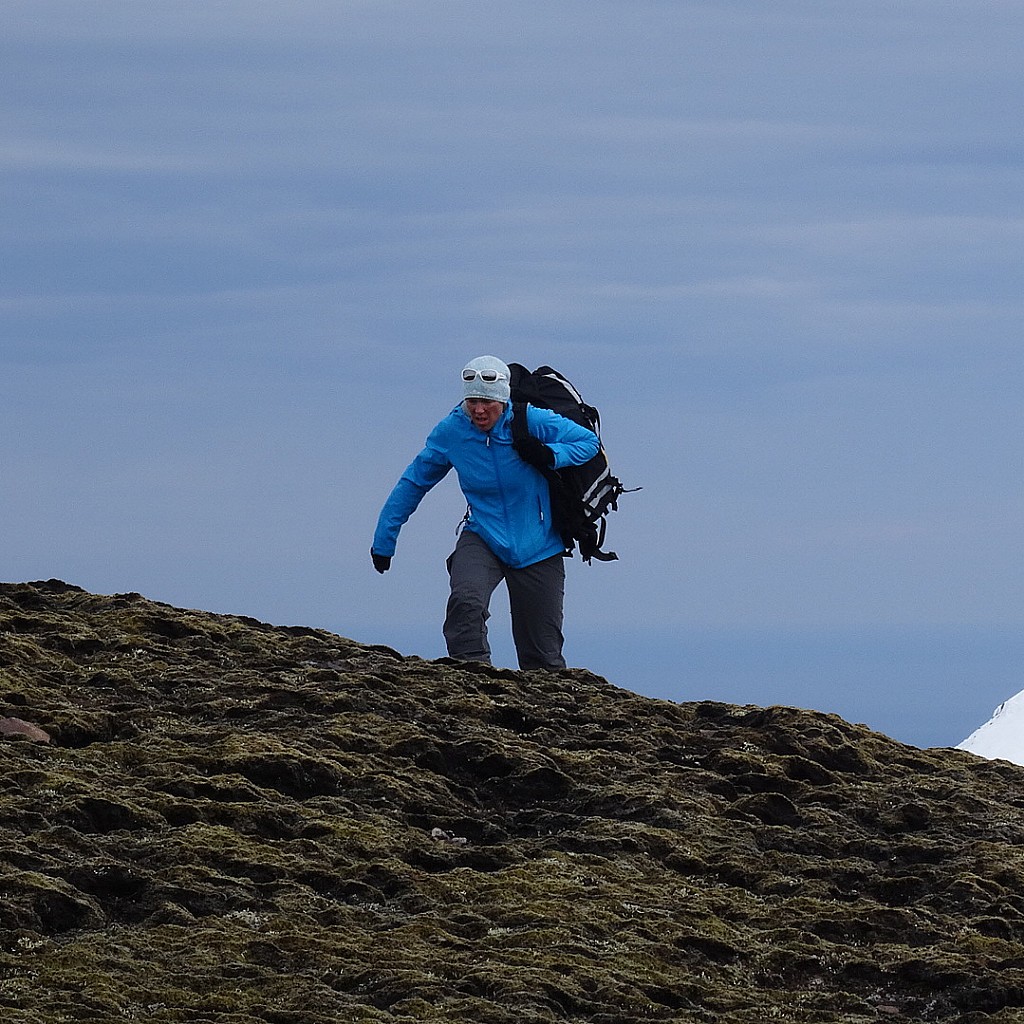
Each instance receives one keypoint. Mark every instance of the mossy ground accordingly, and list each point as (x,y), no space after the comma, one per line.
(239,823)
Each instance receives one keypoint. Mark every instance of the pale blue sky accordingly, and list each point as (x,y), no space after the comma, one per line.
(248,245)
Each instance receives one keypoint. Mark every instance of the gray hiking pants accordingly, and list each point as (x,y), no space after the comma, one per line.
(535,595)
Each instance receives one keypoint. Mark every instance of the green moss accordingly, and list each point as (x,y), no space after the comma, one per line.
(242,824)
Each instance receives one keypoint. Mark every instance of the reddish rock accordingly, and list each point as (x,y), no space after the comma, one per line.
(26,730)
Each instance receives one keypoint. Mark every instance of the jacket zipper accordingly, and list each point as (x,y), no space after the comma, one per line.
(501,488)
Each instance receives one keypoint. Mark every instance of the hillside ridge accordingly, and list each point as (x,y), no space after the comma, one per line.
(236,822)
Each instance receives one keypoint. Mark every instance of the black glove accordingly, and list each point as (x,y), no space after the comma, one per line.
(534,451)
(380,562)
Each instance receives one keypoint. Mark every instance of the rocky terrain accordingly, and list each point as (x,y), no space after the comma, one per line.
(210,819)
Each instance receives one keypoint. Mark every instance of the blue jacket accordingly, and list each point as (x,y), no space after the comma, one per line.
(509,504)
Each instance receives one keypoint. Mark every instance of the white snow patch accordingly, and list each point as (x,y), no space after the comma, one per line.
(1002,736)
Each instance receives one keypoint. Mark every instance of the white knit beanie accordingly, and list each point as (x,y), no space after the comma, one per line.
(495,391)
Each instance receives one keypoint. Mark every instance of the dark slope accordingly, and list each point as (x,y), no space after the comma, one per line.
(238,823)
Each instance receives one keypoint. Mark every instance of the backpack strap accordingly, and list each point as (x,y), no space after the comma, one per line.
(560,500)
(602,556)
(520,425)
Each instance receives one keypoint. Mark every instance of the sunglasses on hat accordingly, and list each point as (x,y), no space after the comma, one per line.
(487,376)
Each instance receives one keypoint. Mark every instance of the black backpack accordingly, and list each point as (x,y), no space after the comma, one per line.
(581,496)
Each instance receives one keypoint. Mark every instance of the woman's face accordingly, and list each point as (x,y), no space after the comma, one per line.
(484,412)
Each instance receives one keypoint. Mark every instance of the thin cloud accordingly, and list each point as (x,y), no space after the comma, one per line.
(54,155)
